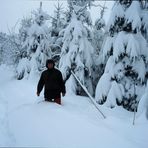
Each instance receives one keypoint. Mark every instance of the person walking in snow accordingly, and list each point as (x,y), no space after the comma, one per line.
(53,82)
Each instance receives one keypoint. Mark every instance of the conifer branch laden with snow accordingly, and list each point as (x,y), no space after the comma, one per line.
(127,54)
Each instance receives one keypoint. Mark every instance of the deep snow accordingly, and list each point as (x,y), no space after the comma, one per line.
(26,121)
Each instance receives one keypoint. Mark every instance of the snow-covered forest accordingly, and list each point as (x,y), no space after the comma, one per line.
(104,65)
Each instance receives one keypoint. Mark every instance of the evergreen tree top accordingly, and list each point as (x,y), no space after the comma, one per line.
(40,15)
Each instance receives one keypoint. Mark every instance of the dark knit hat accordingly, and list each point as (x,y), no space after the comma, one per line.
(50,61)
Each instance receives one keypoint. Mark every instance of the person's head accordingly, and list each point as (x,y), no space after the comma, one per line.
(50,64)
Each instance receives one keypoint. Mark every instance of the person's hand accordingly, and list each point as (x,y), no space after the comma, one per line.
(63,94)
(38,94)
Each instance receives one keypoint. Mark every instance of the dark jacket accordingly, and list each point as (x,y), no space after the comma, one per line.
(53,82)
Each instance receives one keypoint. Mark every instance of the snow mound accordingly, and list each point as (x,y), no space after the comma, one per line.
(31,122)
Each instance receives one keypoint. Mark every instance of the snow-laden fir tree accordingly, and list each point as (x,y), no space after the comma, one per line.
(124,78)
(22,39)
(58,20)
(37,45)
(10,48)
(143,104)
(57,30)
(81,3)
(77,51)
(24,29)
(97,42)
(11,44)
(98,34)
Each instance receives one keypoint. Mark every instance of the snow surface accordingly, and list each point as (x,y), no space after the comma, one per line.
(27,121)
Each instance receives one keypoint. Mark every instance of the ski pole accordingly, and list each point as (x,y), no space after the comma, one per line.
(90,97)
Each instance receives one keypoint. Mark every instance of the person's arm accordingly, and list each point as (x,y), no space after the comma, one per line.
(62,84)
(40,85)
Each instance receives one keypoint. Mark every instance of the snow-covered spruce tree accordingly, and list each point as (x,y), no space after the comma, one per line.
(80,3)
(24,29)
(10,48)
(143,104)
(57,30)
(98,35)
(12,44)
(97,42)
(20,40)
(77,51)
(124,78)
(37,45)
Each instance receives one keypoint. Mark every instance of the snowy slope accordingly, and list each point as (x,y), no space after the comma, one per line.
(74,124)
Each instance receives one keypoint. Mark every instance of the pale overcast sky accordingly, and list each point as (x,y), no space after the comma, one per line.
(12,11)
